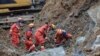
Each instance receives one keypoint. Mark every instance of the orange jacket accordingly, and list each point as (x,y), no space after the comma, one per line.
(44,28)
(60,37)
(15,34)
(28,45)
(29,34)
(15,39)
(40,34)
(15,28)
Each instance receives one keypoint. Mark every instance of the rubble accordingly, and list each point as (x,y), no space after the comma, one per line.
(59,51)
(96,43)
(75,16)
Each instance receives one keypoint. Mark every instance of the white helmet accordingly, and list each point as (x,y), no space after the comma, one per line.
(31,25)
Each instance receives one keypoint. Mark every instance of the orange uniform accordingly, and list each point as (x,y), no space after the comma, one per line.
(14,31)
(62,36)
(58,38)
(40,34)
(29,34)
(29,45)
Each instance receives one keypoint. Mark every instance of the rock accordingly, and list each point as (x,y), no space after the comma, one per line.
(88,50)
(97,54)
(96,43)
(80,40)
(59,51)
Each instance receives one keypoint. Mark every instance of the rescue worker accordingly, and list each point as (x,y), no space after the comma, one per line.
(15,32)
(40,35)
(61,36)
(29,33)
(53,27)
(29,45)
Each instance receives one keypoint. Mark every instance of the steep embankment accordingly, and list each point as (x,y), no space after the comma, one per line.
(69,14)
(72,16)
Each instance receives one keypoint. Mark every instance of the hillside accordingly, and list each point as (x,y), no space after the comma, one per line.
(79,17)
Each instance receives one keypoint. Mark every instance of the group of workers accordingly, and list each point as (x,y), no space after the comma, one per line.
(39,36)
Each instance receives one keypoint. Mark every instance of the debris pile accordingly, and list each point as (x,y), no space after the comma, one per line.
(74,16)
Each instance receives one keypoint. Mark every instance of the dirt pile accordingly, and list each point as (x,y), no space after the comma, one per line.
(69,14)
(54,8)
(72,16)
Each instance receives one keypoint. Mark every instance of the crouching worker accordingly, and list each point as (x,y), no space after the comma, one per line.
(40,35)
(29,45)
(61,37)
